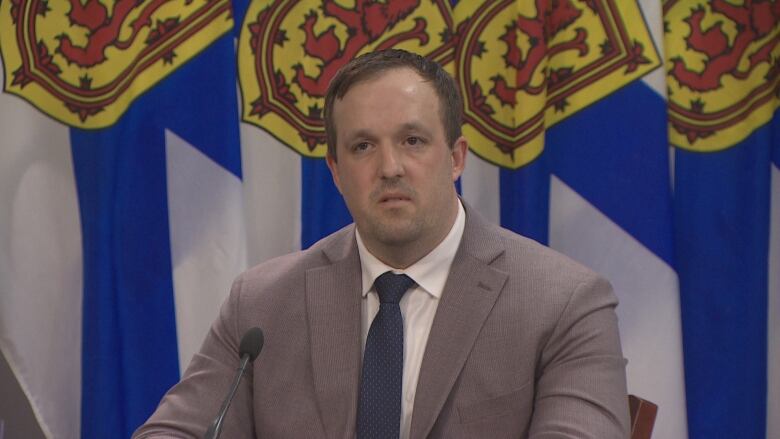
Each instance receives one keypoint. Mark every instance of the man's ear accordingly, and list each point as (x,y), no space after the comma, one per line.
(334,171)
(459,151)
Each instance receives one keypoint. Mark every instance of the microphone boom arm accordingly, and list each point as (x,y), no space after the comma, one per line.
(216,426)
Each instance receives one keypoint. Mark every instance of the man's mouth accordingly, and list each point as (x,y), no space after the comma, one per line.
(393,198)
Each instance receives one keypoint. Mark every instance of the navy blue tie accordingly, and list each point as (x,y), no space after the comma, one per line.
(379,413)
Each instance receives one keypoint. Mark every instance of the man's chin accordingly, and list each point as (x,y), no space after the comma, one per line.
(396,235)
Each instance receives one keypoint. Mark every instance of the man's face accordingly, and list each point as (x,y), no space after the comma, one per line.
(395,169)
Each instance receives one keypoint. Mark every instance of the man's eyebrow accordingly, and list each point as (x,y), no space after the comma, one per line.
(359,134)
(365,134)
(413,126)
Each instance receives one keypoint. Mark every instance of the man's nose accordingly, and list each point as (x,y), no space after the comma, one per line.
(391,165)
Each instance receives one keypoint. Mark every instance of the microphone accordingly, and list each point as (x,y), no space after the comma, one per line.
(251,344)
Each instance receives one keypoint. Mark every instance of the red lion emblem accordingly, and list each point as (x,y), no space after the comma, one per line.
(549,21)
(723,70)
(753,20)
(327,36)
(105,54)
(365,24)
(104,29)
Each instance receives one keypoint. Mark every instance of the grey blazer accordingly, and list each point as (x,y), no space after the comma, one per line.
(524,344)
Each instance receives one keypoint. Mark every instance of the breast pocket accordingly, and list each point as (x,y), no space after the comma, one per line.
(517,402)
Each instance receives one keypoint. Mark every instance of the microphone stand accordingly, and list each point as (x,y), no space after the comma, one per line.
(216,426)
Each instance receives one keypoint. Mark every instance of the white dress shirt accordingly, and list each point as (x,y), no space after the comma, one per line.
(418,305)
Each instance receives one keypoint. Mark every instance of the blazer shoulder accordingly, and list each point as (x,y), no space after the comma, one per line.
(517,255)
(273,293)
(545,277)
(542,260)
(288,269)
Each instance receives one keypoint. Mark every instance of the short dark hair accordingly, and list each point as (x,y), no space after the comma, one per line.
(372,64)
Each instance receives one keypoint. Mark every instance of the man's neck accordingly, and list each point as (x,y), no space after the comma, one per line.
(400,258)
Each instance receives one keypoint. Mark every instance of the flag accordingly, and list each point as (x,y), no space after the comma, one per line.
(122,202)
(573,114)
(638,138)
(566,117)
(724,90)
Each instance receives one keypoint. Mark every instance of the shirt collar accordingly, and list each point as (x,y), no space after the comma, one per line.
(430,272)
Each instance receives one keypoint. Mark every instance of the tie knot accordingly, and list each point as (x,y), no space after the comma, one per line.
(391,287)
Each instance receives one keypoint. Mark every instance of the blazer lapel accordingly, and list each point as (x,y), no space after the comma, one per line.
(469,295)
(333,308)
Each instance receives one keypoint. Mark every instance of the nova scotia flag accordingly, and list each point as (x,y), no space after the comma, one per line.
(118,242)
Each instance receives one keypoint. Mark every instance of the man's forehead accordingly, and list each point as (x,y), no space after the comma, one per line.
(393,75)
(404,82)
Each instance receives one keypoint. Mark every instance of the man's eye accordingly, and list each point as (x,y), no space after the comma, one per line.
(362,146)
(413,140)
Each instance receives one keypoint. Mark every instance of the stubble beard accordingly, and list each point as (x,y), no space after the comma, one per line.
(406,231)
(395,227)
(396,231)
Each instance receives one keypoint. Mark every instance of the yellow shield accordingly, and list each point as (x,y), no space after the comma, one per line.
(289,50)
(723,70)
(524,66)
(84,62)
(521,66)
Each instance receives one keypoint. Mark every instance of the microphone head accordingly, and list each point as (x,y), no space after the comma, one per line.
(251,343)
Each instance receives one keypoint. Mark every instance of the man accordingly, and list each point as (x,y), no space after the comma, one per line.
(488,334)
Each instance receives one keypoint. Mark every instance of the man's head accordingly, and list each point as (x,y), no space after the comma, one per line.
(396,166)
(373,64)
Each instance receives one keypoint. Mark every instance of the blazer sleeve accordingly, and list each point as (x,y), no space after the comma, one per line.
(581,388)
(192,404)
